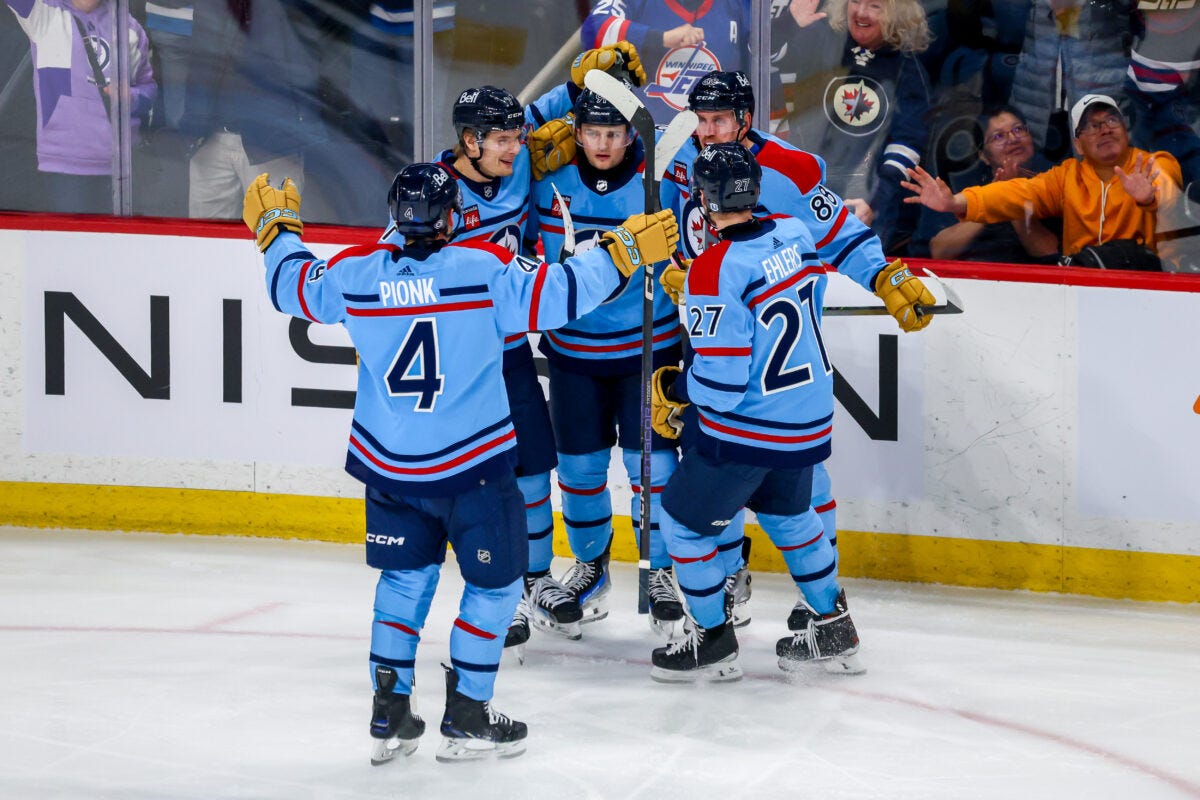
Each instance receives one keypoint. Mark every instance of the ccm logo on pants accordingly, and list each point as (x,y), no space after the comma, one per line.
(379,538)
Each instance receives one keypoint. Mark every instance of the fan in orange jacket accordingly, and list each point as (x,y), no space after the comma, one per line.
(1113,191)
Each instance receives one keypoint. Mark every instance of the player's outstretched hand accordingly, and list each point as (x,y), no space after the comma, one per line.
(674,277)
(902,292)
(551,146)
(642,239)
(621,60)
(665,412)
(267,210)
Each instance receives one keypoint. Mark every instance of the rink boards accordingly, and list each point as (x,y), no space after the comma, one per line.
(1046,439)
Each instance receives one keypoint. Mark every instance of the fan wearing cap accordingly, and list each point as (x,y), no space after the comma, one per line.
(1111,191)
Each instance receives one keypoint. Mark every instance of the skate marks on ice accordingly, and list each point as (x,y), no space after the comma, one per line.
(147,666)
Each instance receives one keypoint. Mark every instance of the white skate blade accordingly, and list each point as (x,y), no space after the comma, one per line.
(568,630)
(453,750)
(741,616)
(595,608)
(844,664)
(668,629)
(720,672)
(515,653)
(385,750)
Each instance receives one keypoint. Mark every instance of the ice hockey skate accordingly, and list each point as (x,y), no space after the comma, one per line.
(589,582)
(552,606)
(701,654)
(737,597)
(395,729)
(518,632)
(829,641)
(666,609)
(473,730)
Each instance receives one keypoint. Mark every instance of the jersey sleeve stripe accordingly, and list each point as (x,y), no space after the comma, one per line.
(832,233)
(300,290)
(538,285)
(414,310)
(717,386)
(716,352)
(853,245)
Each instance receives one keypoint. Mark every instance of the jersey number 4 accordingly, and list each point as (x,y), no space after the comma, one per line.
(414,370)
(777,376)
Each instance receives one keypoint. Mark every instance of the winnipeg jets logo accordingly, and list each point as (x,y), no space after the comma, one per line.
(856,104)
(102,52)
(679,71)
(695,227)
(508,237)
(586,240)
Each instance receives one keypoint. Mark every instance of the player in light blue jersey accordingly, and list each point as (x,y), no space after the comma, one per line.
(792,184)
(595,368)
(432,436)
(491,165)
(762,385)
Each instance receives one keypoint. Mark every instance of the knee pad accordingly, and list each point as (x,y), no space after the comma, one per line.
(405,595)
(583,471)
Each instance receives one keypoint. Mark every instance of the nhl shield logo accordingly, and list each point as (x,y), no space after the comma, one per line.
(484,556)
(856,104)
(679,71)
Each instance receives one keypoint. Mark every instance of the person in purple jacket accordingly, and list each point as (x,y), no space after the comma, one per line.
(75,83)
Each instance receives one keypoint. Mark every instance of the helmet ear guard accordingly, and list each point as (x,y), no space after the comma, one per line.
(420,199)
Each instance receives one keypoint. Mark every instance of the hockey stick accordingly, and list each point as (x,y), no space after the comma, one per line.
(568,246)
(679,130)
(952,305)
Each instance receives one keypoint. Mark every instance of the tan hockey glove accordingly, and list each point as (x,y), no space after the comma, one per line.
(666,416)
(267,210)
(642,239)
(902,292)
(674,277)
(613,59)
(551,146)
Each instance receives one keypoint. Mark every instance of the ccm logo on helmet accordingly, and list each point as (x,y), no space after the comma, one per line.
(380,538)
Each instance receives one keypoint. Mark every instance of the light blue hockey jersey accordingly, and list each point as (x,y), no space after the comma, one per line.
(497,211)
(608,340)
(793,183)
(760,377)
(431,415)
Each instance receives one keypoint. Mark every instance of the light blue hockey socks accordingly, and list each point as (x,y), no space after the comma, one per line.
(402,600)
(539,520)
(662,466)
(810,558)
(587,505)
(729,544)
(698,570)
(824,504)
(477,639)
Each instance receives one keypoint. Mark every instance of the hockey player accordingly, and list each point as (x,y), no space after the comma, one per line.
(432,436)
(595,367)
(491,165)
(793,184)
(763,387)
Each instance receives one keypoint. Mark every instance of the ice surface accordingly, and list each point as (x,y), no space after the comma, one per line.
(150,666)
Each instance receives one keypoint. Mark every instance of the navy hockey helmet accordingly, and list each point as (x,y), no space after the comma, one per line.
(419,198)
(721,91)
(487,108)
(592,109)
(728,175)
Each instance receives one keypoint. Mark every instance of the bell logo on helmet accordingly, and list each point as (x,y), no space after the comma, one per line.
(469,96)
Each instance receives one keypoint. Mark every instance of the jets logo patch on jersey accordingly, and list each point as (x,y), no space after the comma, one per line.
(679,71)
(471,217)
(696,232)
(508,237)
(856,104)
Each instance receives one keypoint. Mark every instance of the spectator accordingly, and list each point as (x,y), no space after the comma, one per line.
(1112,193)
(169,25)
(861,102)
(680,41)
(74,80)
(1007,152)
(252,99)
(1072,48)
